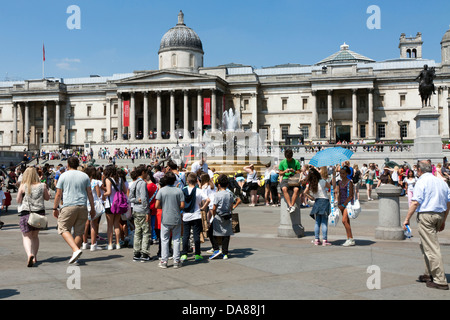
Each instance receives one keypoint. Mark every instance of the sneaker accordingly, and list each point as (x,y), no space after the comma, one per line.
(292,209)
(95,247)
(326,243)
(177,264)
(137,256)
(215,254)
(75,256)
(162,264)
(118,246)
(183,257)
(110,247)
(225,257)
(317,242)
(145,258)
(210,251)
(198,257)
(349,242)
(84,246)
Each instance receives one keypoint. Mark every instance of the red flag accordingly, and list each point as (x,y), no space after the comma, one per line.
(126,113)
(43,51)
(206,111)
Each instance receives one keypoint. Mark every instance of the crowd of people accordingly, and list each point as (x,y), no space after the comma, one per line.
(143,206)
(179,210)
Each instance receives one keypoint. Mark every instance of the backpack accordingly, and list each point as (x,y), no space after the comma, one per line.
(189,199)
(119,204)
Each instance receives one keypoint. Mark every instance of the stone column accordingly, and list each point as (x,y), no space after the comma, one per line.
(146,129)
(109,106)
(57,123)
(14,135)
(213,110)
(445,114)
(254,108)
(314,115)
(199,113)
(354,115)
(370,134)
(389,227)
(330,110)
(290,223)
(45,129)
(172,115)
(132,117)
(158,115)
(27,123)
(119,117)
(186,114)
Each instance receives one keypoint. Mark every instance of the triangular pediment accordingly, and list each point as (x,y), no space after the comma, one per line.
(164,76)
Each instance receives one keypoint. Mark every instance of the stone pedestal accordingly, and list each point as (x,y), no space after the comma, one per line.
(290,223)
(428,142)
(389,227)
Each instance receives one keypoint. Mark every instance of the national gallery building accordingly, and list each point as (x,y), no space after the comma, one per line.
(343,97)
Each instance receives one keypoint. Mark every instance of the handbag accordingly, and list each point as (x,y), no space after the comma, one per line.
(37,220)
(235,223)
(294,181)
(99,209)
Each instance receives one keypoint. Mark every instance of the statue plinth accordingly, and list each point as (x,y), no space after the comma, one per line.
(428,142)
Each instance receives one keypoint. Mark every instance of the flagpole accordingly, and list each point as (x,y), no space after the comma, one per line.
(43,61)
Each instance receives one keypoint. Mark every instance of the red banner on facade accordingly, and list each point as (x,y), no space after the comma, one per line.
(207,111)
(126,113)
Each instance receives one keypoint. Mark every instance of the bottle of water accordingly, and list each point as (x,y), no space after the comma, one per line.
(408,231)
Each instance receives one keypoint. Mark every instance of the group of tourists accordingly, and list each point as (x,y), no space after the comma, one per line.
(176,208)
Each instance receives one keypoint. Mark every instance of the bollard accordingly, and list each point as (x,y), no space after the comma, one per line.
(290,223)
(389,227)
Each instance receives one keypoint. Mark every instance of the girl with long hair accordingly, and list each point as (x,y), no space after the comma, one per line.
(30,197)
(345,194)
(316,189)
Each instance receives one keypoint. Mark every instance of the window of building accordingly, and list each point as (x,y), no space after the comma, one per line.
(246,103)
(174,60)
(264,105)
(304,103)
(304,129)
(362,131)
(115,109)
(89,110)
(402,100)
(1,137)
(114,136)
(104,136)
(104,109)
(342,103)
(89,134)
(191,60)
(72,111)
(381,131)
(73,136)
(382,101)
(284,103)
(1,113)
(323,131)
(284,131)
(404,130)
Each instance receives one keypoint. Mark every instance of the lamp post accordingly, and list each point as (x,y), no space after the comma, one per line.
(401,123)
(330,125)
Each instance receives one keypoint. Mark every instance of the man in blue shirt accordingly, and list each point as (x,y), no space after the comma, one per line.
(431,200)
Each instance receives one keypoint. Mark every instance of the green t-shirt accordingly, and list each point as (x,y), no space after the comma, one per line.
(284,165)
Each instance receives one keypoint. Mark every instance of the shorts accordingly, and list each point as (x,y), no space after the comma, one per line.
(285,183)
(369,182)
(72,217)
(253,186)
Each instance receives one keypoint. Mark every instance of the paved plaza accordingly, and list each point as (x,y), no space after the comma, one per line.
(262,266)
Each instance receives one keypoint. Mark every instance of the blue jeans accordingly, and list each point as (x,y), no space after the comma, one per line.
(321,221)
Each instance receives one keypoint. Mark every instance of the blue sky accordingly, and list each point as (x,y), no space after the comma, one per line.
(124,36)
